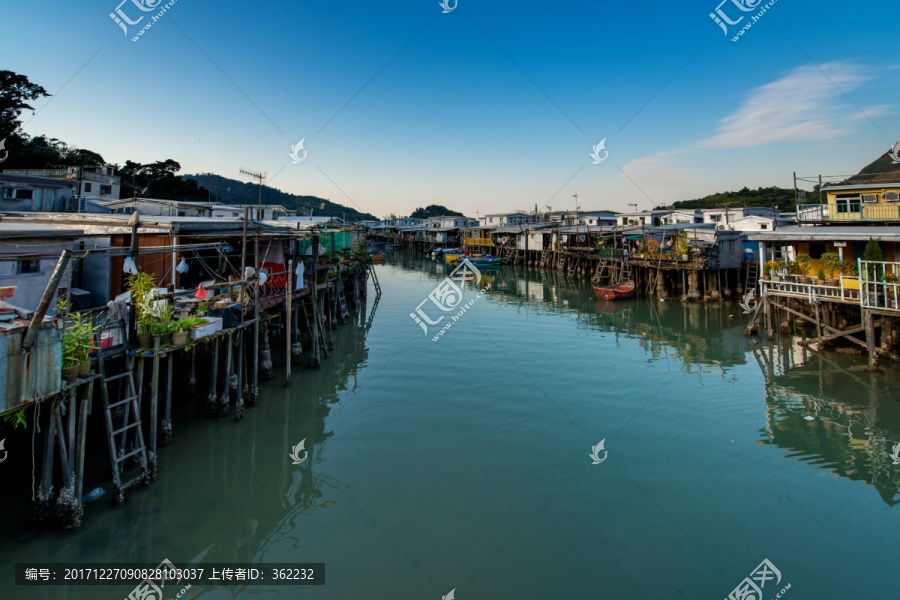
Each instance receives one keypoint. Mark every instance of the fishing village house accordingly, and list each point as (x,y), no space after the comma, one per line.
(20,192)
(90,184)
(830,239)
(651,218)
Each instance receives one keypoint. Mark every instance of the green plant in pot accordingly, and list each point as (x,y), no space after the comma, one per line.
(803,263)
(140,285)
(821,277)
(848,268)
(77,344)
(182,327)
(162,325)
(831,262)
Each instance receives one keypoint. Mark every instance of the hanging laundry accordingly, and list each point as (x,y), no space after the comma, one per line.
(298,273)
(129,267)
(182,266)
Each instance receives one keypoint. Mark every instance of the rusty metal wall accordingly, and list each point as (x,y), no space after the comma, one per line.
(26,377)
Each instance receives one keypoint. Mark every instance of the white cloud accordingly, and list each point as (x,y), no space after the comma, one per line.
(804,105)
(660,169)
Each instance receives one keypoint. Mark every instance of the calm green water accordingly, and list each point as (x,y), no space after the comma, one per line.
(464,463)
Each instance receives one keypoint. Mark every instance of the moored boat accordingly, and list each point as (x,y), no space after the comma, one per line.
(619,291)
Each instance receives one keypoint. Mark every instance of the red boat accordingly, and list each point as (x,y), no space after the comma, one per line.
(620,291)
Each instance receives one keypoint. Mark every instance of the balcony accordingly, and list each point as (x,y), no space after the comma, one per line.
(852,213)
(879,285)
(791,288)
(477,241)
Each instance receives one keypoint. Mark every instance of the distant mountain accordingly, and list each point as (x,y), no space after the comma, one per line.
(434,210)
(881,169)
(233,191)
(769,197)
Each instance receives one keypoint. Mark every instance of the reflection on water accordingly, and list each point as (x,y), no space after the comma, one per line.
(855,414)
(425,459)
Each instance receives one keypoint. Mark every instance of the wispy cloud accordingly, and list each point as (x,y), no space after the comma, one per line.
(662,169)
(804,105)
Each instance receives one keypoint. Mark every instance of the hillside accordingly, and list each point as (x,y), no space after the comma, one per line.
(881,169)
(233,191)
(770,197)
(434,210)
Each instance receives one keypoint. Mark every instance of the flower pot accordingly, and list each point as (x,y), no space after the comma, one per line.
(805,279)
(820,281)
(832,281)
(84,368)
(766,277)
(179,337)
(70,374)
(776,278)
(145,340)
(164,340)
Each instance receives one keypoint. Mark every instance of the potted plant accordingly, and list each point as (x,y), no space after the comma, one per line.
(182,327)
(774,267)
(160,327)
(820,280)
(681,245)
(791,267)
(803,263)
(831,262)
(140,286)
(77,343)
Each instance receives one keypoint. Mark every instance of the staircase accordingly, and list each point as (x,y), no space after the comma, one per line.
(508,255)
(123,423)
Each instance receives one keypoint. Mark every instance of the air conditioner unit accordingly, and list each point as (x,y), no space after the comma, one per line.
(891,196)
(870,198)
(721,227)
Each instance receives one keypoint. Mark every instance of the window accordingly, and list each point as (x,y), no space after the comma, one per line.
(87,188)
(763,225)
(19,194)
(25,267)
(847,204)
(715,217)
(105,190)
(816,250)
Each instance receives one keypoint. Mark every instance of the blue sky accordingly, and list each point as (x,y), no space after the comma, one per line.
(487,108)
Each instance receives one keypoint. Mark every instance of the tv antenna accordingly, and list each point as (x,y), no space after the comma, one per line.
(260,177)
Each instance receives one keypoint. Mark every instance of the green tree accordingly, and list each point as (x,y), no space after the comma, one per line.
(16,91)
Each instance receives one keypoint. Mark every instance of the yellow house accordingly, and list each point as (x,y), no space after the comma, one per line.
(855,203)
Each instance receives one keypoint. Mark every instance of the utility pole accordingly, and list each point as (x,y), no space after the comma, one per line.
(261,178)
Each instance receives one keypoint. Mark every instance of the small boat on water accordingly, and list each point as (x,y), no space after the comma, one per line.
(486,261)
(619,291)
(376,258)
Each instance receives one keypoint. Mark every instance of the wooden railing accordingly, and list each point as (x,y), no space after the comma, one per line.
(477,241)
(878,285)
(809,291)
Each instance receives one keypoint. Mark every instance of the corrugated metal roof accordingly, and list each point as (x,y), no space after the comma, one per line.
(860,233)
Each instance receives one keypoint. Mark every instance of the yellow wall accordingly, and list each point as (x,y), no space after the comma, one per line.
(869,210)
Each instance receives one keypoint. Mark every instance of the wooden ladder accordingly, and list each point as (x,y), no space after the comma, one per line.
(507,256)
(342,302)
(127,439)
(375,281)
(752,276)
